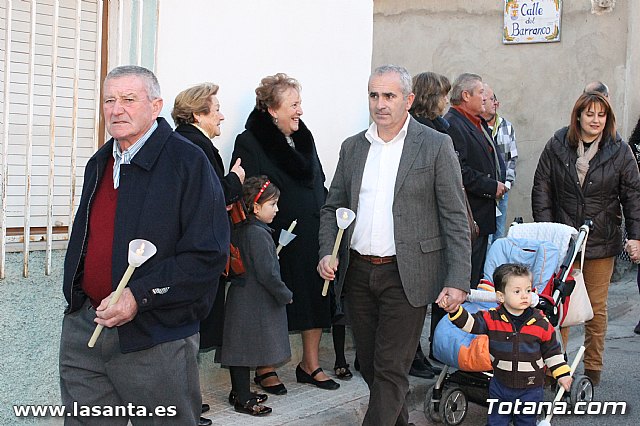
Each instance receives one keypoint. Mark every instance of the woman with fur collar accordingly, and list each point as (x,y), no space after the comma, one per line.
(276,143)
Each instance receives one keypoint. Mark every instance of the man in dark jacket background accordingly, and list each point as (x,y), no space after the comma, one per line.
(479,161)
(146,182)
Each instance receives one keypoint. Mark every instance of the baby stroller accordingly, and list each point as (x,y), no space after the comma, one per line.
(545,244)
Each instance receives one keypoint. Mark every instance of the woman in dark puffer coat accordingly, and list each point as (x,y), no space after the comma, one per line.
(587,172)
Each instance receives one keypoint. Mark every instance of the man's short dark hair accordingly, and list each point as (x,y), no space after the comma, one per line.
(503,273)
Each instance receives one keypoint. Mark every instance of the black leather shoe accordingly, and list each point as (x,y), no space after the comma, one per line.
(204,422)
(205,408)
(420,369)
(278,389)
(303,377)
(252,408)
(637,329)
(260,397)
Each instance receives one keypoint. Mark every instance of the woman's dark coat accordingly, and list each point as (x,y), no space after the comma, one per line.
(438,123)
(612,180)
(264,150)
(212,326)
(231,185)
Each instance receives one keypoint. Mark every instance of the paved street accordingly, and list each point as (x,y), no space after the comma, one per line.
(306,405)
(30,345)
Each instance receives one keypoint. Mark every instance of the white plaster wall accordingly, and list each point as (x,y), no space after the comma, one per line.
(326,45)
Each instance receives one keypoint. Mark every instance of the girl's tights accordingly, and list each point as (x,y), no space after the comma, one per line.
(240,382)
(338,333)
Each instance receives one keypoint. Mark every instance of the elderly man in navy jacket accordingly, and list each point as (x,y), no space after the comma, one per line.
(146,182)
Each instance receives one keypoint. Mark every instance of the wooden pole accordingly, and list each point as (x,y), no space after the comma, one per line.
(332,261)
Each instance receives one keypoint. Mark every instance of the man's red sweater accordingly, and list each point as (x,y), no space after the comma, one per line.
(96,281)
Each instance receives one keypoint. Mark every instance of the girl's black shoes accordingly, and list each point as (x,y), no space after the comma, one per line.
(251,407)
(259,397)
(343,372)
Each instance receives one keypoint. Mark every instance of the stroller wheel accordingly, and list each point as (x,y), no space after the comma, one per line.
(453,406)
(432,405)
(581,390)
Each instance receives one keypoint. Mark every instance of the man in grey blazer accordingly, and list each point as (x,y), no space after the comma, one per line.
(410,242)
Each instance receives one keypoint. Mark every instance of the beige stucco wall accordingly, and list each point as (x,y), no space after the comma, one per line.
(537,84)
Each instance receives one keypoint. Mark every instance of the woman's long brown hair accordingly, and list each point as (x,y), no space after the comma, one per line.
(583,103)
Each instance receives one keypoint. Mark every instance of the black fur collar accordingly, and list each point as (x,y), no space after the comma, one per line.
(297,163)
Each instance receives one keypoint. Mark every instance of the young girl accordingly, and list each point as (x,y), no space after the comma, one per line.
(255,325)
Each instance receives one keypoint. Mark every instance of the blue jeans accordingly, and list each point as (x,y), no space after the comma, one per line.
(501,221)
(506,394)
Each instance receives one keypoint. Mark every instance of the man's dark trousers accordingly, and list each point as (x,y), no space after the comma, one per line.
(478,257)
(386,330)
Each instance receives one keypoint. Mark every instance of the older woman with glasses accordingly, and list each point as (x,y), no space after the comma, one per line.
(196,112)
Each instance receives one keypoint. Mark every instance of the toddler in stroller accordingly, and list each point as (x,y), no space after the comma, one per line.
(447,399)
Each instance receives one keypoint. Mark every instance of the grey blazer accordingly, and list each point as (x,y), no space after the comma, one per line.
(431,232)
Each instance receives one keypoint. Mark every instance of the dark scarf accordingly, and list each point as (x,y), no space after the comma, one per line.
(438,123)
(297,163)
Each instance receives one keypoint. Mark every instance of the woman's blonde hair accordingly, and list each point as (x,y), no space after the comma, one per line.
(194,100)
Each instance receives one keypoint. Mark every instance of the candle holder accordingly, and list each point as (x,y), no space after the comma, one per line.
(286,236)
(139,252)
(344,218)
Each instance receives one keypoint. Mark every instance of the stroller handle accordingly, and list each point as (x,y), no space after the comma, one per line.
(576,247)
